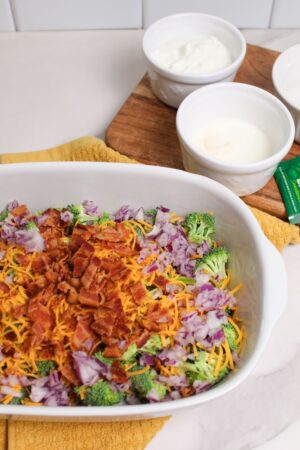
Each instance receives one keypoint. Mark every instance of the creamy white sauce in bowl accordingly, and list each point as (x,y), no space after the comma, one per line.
(196,54)
(233,141)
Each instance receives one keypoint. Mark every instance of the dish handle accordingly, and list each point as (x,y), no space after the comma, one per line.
(276,286)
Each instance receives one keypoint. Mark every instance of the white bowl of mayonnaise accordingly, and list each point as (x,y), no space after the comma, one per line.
(188,51)
(234,133)
(286,80)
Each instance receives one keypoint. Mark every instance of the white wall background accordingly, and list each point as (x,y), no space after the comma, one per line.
(32,15)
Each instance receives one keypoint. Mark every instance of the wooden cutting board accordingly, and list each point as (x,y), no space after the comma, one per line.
(144,128)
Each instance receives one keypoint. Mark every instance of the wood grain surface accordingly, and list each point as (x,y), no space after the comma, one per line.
(144,128)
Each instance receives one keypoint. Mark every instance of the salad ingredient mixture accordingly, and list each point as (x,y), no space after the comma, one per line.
(105,309)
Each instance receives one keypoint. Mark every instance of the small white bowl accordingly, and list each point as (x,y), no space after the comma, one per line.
(172,87)
(234,101)
(286,75)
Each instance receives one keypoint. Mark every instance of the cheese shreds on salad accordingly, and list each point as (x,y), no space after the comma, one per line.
(101,309)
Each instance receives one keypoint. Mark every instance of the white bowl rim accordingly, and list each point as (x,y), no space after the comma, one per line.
(235,167)
(259,241)
(276,82)
(203,77)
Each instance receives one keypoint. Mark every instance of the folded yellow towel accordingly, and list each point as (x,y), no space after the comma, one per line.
(131,435)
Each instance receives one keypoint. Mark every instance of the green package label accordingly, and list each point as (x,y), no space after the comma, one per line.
(287,177)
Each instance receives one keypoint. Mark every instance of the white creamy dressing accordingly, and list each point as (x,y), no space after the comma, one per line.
(292,92)
(233,141)
(197,54)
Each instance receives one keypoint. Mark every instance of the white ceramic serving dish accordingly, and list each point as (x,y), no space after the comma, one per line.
(234,101)
(286,73)
(172,87)
(254,259)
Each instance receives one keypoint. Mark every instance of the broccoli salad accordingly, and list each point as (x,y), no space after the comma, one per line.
(101,309)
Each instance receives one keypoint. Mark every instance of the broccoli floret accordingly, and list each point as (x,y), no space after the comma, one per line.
(153,345)
(214,262)
(100,394)
(151,215)
(103,359)
(186,280)
(18,400)
(200,227)
(142,383)
(3,214)
(45,367)
(231,335)
(30,225)
(104,218)
(130,354)
(79,215)
(139,232)
(201,370)
(161,390)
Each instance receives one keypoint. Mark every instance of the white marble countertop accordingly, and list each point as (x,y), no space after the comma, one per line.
(56,86)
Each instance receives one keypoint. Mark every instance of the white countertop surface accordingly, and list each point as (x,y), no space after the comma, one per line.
(56,86)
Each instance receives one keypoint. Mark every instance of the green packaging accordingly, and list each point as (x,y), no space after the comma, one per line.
(287,176)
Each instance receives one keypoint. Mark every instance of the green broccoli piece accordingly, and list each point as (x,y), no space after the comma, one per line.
(30,226)
(151,213)
(142,383)
(200,227)
(139,232)
(79,215)
(18,400)
(103,359)
(201,370)
(231,335)
(153,345)
(130,355)
(104,218)
(100,394)
(45,367)
(3,214)
(214,262)
(186,280)
(161,390)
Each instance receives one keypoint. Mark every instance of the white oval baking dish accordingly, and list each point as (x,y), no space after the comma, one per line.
(254,260)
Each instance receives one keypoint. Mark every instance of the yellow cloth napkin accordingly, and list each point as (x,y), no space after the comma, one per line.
(130,435)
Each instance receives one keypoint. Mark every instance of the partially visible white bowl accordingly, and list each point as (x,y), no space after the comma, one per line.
(235,101)
(286,72)
(172,87)
(254,260)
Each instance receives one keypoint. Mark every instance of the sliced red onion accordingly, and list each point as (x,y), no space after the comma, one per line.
(66,216)
(124,213)
(8,232)
(91,208)
(31,240)
(41,219)
(12,205)
(139,214)
(89,369)
(49,390)
(173,356)
(201,386)
(146,360)
(174,380)
(211,298)
(38,393)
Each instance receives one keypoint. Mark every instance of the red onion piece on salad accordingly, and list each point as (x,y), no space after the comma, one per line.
(31,240)
(89,369)
(66,216)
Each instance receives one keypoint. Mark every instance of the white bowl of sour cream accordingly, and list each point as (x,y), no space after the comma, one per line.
(286,80)
(188,51)
(234,133)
